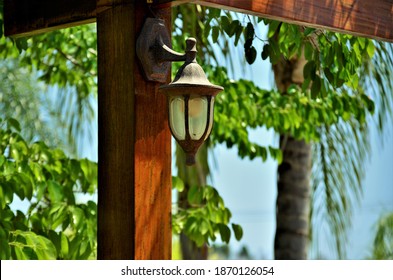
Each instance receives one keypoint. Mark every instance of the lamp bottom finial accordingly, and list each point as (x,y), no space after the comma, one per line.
(190,159)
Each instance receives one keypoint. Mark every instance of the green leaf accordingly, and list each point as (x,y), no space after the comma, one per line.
(2,160)
(78,217)
(55,191)
(14,124)
(308,51)
(199,239)
(239,31)
(21,44)
(273,26)
(5,252)
(279,156)
(369,103)
(249,32)
(251,55)
(248,44)
(329,75)
(206,31)
(89,169)
(41,246)
(308,31)
(177,184)
(237,229)
(27,185)
(263,153)
(274,52)
(20,253)
(316,87)
(3,201)
(292,89)
(37,171)
(362,42)
(215,33)
(208,193)
(265,52)
(225,232)
(64,245)
(84,251)
(214,13)
(59,214)
(309,69)
(204,227)
(370,48)
(225,23)
(232,28)
(194,195)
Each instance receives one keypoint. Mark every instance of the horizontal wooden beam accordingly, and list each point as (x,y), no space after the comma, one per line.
(31,17)
(366,18)
(373,19)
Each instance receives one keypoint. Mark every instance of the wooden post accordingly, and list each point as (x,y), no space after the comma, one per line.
(134,163)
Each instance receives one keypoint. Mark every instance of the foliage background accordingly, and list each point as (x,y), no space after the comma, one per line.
(62,58)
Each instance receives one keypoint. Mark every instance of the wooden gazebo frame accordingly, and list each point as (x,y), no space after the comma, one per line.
(134,143)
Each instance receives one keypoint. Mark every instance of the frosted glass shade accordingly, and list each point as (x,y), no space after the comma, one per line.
(177,117)
(197,117)
(191,117)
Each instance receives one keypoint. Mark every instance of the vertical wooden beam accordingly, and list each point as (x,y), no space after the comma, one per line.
(153,178)
(134,192)
(116,132)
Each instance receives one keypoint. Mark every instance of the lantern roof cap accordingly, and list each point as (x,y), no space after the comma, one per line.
(191,79)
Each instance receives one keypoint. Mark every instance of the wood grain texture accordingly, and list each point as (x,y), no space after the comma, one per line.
(153,179)
(373,19)
(116,133)
(134,163)
(31,17)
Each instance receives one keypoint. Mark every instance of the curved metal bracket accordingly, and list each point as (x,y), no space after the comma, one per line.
(153,48)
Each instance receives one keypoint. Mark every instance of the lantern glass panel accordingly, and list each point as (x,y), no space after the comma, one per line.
(176,118)
(211,118)
(197,116)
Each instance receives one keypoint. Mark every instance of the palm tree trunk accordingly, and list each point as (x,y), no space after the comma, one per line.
(293,185)
(293,200)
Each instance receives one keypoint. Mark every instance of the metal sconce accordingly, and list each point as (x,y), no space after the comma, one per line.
(190,95)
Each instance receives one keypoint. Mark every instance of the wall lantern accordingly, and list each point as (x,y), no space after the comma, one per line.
(190,95)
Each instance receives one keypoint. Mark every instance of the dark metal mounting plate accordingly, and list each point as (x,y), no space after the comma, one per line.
(153,32)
